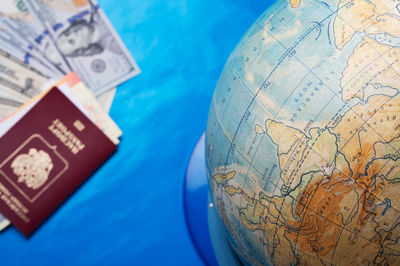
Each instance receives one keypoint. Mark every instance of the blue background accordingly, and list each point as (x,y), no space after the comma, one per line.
(131,210)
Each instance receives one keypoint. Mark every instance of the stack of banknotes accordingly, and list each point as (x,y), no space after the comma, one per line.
(67,43)
(47,39)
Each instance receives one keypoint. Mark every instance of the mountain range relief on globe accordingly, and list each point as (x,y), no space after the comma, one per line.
(303,137)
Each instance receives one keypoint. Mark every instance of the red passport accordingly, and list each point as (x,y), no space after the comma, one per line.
(44,157)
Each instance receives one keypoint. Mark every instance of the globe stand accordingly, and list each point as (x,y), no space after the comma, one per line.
(203,222)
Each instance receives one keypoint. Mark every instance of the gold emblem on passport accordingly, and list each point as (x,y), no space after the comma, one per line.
(33,167)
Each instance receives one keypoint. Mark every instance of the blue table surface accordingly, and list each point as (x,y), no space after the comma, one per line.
(131,210)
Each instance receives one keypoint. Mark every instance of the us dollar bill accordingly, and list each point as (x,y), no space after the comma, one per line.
(10,39)
(17,19)
(86,40)
(12,91)
(15,47)
(7,105)
(19,80)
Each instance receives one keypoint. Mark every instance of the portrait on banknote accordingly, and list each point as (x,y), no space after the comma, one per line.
(86,38)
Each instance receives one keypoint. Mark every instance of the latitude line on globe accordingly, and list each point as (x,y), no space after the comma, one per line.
(264,83)
(310,71)
(388,66)
(358,130)
(274,117)
(348,140)
(380,56)
(361,236)
(338,132)
(313,211)
(281,60)
(361,127)
(350,107)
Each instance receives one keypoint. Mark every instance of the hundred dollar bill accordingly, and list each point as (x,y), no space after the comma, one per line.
(8,102)
(16,61)
(8,105)
(87,41)
(7,38)
(18,79)
(10,39)
(27,57)
(26,90)
(9,91)
(16,18)
(6,92)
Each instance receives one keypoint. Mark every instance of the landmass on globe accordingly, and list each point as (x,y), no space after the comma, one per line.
(303,138)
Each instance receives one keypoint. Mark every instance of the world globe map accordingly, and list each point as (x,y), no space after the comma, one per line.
(303,136)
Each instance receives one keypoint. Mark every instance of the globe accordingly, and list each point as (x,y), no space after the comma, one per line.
(303,136)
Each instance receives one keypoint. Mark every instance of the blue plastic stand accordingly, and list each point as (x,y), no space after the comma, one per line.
(205,228)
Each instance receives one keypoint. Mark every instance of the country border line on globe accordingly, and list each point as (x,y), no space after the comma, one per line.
(242,119)
(336,93)
(284,56)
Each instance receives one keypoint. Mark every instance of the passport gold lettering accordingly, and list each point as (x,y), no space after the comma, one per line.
(13,203)
(78,125)
(66,136)
(4,190)
(19,204)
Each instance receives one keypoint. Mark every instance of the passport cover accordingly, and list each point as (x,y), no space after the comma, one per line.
(44,157)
